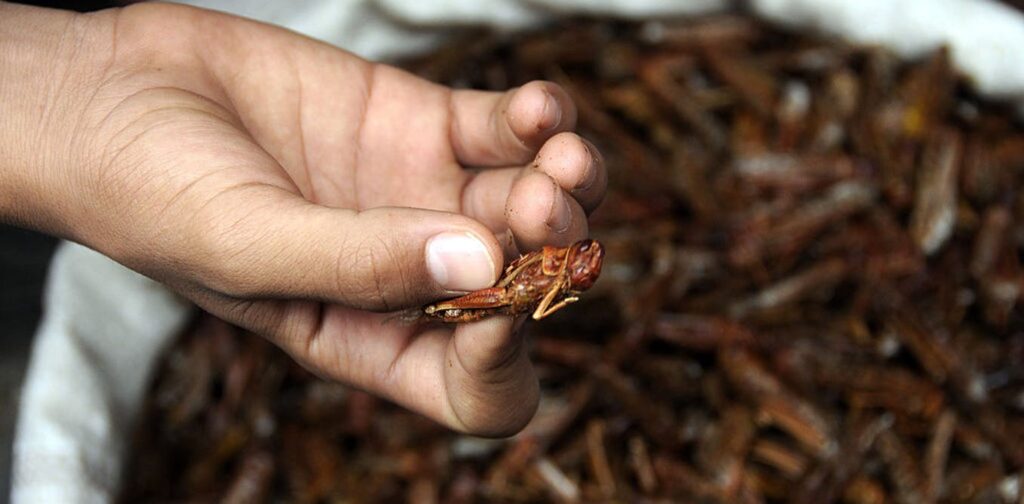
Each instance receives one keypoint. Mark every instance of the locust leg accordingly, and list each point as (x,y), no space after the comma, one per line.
(538,314)
(515,269)
(544,308)
(492,297)
(457,316)
(553,262)
(546,301)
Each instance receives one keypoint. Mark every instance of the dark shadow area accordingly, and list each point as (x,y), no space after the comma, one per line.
(24,256)
(81,6)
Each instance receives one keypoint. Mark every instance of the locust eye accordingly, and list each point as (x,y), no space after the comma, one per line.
(585,246)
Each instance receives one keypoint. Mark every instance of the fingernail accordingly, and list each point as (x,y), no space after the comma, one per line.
(560,215)
(459,262)
(551,115)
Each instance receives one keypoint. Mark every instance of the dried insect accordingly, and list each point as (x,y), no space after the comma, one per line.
(541,282)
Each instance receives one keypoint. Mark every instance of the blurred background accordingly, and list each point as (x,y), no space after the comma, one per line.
(730,280)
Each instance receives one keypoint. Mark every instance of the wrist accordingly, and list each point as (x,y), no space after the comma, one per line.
(49,61)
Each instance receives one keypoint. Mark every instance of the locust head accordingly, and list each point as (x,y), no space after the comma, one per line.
(584,264)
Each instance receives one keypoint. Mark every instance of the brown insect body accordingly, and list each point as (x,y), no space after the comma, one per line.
(541,282)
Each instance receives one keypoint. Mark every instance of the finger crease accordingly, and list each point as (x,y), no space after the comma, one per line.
(519,144)
(310,186)
(455,129)
(370,82)
(465,207)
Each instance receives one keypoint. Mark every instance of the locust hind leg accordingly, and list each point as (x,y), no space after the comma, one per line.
(492,297)
(539,313)
(516,268)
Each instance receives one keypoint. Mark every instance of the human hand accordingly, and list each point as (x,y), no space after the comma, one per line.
(299,191)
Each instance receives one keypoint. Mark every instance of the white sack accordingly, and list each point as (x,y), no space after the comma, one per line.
(985,39)
(92,358)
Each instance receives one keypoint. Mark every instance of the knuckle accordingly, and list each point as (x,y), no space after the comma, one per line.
(219,255)
(370,274)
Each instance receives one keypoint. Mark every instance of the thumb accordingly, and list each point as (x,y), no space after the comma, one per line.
(378,259)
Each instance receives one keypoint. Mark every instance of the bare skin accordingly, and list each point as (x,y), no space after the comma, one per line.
(295,190)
